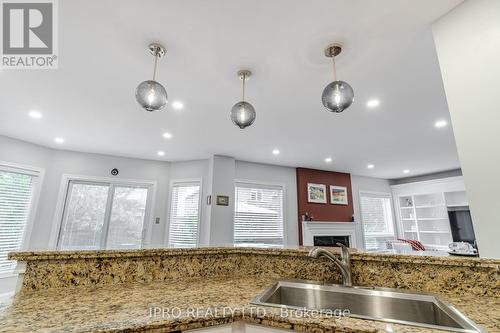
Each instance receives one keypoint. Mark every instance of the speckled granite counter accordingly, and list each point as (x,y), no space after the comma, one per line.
(51,269)
(113,291)
(127,308)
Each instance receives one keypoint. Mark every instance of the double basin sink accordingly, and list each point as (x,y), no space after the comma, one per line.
(383,304)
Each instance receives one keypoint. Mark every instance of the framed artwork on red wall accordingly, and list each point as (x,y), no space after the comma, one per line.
(316,193)
(338,195)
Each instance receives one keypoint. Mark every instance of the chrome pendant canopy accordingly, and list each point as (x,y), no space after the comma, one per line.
(150,94)
(243,113)
(338,95)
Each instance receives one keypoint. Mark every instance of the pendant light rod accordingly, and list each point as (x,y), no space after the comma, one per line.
(334,69)
(331,51)
(154,68)
(243,92)
(244,74)
(157,50)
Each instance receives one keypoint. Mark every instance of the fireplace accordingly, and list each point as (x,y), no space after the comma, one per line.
(317,233)
(331,240)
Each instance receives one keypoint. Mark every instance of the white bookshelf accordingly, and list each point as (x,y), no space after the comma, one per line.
(422,210)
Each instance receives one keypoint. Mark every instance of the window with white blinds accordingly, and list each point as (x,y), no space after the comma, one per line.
(377,218)
(258,215)
(16,198)
(184,214)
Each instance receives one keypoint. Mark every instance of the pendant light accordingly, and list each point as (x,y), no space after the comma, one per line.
(150,94)
(242,113)
(338,95)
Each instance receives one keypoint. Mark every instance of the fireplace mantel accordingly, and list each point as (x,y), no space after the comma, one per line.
(320,228)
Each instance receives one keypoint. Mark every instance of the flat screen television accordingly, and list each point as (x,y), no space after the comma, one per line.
(461,225)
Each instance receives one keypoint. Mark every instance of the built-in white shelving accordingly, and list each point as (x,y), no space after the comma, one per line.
(422,210)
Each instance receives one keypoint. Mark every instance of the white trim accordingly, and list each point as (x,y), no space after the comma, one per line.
(28,169)
(63,192)
(6,296)
(451,183)
(320,228)
(8,275)
(284,203)
(194,181)
(39,173)
(388,194)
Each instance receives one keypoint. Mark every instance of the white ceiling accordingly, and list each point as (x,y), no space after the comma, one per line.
(389,54)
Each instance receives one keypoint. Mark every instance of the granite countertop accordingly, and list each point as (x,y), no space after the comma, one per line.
(128,308)
(294,251)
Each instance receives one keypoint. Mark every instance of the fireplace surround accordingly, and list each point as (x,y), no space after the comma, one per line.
(318,233)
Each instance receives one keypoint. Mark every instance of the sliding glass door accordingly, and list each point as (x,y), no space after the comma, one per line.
(103,216)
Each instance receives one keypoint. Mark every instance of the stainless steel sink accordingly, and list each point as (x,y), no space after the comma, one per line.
(384,304)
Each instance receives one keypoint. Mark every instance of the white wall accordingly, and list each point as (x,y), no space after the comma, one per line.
(59,162)
(273,174)
(368,184)
(220,219)
(468,47)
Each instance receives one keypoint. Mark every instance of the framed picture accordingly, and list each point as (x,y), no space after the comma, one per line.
(223,200)
(316,193)
(338,195)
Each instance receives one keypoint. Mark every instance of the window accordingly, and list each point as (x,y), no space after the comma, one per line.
(17,188)
(99,215)
(378,224)
(258,215)
(184,214)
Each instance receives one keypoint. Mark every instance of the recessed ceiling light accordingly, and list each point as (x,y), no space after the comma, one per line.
(35,114)
(440,123)
(178,105)
(328,160)
(370,166)
(161,153)
(167,135)
(373,103)
(406,171)
(276,151)
(59,140)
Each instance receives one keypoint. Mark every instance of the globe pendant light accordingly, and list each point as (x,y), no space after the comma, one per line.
(150,94)
(242,113)
(338,95)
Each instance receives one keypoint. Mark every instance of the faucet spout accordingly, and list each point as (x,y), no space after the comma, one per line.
(344,263)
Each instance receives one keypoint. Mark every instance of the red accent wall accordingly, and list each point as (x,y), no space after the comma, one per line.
(323,212)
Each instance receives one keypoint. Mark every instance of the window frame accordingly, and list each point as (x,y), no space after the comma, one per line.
(39,173)
(284,204)
(64,190)
(386,195)
(187,182)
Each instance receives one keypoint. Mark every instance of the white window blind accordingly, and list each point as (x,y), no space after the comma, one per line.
(100,215)
(258,215)
(16,193)
(184,215)
(378,224)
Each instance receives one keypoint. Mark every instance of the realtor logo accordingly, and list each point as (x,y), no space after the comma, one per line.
(29,34)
